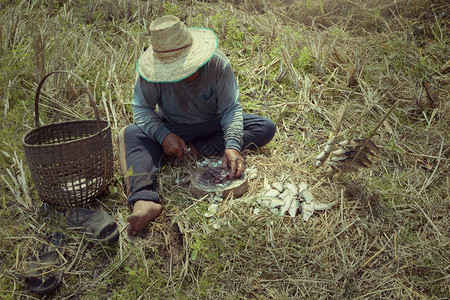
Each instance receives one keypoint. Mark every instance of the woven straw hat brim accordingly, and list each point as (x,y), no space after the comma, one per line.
(204,45)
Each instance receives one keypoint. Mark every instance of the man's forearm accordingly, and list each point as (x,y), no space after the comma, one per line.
(233,127)
(150,123)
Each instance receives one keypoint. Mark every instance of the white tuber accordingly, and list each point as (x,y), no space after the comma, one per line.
(278,186)
(307,210)
(288,197)
(292,187)
(295,205)
(302,186)
(307,196)
(321,206)
(271,193)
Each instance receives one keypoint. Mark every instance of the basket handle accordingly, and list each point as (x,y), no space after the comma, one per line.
(91,99)
(94,106)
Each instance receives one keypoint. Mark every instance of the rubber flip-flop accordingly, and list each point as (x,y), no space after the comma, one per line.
(97,223)
(44,273)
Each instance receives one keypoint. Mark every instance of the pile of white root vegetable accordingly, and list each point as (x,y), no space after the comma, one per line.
(289,198)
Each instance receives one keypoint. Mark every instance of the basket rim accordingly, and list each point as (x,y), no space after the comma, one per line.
(24,143)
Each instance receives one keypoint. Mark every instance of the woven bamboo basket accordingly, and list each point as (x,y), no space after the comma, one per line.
(70,162)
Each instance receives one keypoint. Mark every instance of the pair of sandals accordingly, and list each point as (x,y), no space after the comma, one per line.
(44,268)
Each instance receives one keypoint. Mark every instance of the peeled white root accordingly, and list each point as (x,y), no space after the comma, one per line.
(278,186)
(289,198)
(307,210)
(78,184)
(295,205)
(271,193)
(302,186)
(292,187)
(321,206)
(271,202)
(307,196)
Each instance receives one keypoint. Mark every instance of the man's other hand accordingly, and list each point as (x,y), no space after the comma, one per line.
(233,162)
(173,145)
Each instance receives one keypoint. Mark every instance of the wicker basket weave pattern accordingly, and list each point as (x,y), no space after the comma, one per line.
(70,162)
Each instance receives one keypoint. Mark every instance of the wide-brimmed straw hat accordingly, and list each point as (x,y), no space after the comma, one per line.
(175,52)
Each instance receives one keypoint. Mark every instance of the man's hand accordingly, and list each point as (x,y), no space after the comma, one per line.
(173,145)
(233,162)
(190,153)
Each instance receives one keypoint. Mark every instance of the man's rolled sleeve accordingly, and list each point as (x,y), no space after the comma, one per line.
(233,144)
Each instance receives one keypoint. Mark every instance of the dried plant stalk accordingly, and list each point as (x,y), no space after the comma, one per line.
(322,157)
(367,140)
(88,12)
(429,94)
(12,29)
(1,38)
(39,53)
(129,14)
(161,8)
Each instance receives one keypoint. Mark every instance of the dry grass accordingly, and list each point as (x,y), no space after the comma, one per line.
(297,62)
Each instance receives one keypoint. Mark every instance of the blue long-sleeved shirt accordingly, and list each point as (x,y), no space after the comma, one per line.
(214,94)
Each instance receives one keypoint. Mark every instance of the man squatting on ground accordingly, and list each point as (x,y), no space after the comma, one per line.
(186,98)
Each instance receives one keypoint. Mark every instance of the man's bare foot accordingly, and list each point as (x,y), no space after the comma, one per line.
(143,213)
